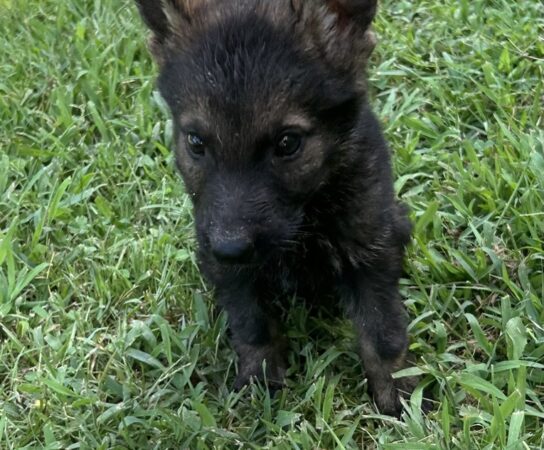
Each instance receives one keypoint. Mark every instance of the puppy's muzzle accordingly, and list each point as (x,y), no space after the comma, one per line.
(233,250)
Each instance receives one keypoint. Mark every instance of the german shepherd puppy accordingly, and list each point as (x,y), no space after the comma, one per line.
(288,170)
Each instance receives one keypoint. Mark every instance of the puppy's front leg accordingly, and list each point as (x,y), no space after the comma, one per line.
(254,336)
(380,321)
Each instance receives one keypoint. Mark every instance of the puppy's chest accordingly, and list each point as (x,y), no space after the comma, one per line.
(310,271)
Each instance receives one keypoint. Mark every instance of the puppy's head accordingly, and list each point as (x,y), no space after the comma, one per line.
(264,96)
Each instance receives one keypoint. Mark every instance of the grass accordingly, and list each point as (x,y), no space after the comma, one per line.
(108,336)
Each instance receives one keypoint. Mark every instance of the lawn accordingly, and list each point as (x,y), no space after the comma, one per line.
(108,335)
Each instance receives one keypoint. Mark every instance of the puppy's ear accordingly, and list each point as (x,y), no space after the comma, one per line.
(359,12)
(338,30)
(169,20)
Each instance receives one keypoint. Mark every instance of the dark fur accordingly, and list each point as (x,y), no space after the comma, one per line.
(324,223)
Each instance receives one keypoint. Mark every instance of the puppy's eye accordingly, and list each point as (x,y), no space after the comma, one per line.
(196,144)
(288,144)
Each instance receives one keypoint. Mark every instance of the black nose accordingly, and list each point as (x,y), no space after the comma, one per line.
(233,251)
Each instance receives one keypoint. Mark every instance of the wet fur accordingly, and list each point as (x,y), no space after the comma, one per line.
(323,224)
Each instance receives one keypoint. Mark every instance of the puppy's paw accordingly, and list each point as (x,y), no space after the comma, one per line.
(274,378)
(264,364)
(388,398)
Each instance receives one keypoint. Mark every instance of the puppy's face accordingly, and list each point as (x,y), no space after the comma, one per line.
(261,112)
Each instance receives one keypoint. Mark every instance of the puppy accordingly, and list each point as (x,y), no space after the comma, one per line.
(288,170)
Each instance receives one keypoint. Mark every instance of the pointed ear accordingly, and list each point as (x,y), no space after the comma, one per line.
(360,13)
(169,21)
(338,30)
(152,13)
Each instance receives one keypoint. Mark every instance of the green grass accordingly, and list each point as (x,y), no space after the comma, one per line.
(108,337)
